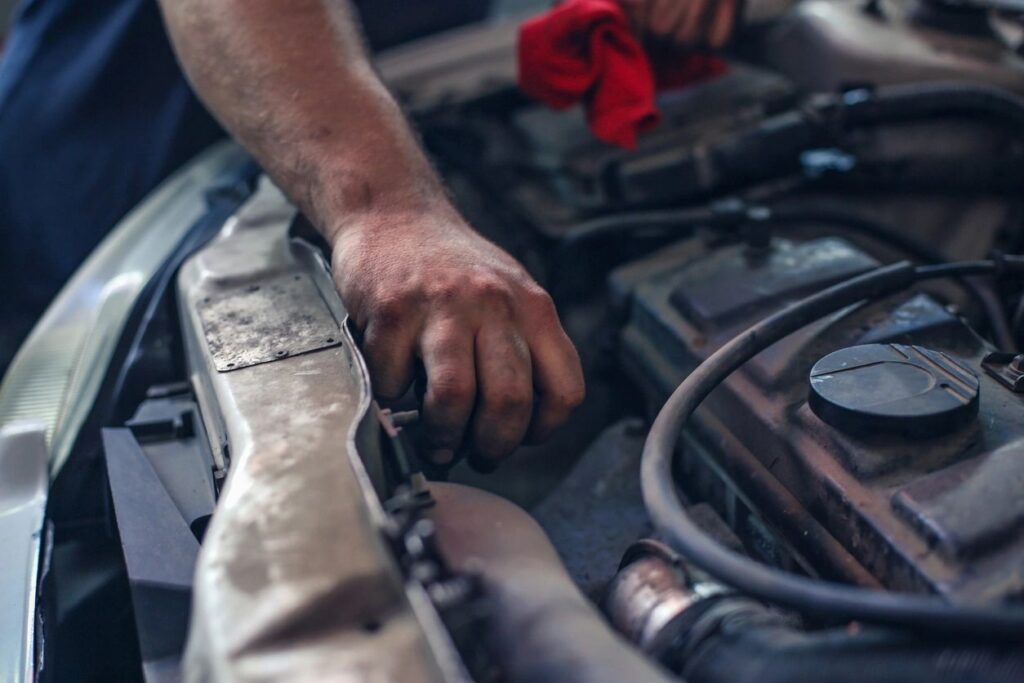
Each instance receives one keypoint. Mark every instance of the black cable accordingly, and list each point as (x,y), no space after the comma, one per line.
(633,222)
(921,612)
(984,297)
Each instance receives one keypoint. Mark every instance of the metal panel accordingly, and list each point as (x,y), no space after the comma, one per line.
(294,581)
(258,323)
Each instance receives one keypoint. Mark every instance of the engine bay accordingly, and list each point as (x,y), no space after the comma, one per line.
(879,445)
(754,193)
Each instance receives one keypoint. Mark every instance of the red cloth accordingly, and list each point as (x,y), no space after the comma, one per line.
(584,50)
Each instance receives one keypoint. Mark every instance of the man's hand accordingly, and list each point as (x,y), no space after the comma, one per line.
(686,23)
(499,367)
(292,83)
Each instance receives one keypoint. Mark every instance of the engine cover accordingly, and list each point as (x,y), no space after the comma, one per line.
(924,495)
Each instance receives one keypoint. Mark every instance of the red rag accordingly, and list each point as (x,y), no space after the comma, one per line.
(584,50)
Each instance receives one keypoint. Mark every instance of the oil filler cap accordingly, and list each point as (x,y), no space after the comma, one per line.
(893,389)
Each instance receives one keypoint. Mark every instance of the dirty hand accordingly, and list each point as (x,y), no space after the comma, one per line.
(686,23)
(499,367)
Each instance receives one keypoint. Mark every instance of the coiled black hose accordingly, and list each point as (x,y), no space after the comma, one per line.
(838,601)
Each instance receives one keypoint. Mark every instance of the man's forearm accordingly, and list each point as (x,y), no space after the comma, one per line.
(292,82)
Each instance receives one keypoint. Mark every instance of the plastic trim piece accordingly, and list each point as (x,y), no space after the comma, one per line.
(23,486)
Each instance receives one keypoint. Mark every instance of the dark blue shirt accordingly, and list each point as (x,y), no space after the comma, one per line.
(94,113)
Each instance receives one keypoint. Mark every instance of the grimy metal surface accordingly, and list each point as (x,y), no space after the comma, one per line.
(258,323)
(892,504)
(294,581)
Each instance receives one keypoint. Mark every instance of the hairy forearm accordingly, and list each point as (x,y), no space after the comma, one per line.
(291,81)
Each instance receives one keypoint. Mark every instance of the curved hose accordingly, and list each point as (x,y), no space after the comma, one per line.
(927,613)
(634,222)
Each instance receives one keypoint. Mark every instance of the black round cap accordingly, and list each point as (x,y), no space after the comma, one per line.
(893,389)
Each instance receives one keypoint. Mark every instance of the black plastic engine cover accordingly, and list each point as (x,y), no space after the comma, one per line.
(933,509)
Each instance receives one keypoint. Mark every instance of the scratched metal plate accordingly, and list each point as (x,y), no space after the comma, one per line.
(268,321)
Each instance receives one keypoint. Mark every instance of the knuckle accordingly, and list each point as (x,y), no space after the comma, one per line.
(574,397)
(659,29)
(508,400)
(389,384)
(542,303)
(660,26)
(445,290)
(390,312)
(568,398)
(387,392)
(451,387)
(492,289)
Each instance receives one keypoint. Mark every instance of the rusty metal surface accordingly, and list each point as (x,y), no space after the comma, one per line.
(294,580)
(258,323)
(644,601)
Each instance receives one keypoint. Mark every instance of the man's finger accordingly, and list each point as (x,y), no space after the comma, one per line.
(505,392)
(557,380)
(665,17)
(691,29)
(387,350)
(448,357)
(721,29)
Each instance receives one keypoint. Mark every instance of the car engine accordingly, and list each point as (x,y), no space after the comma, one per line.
(811,262)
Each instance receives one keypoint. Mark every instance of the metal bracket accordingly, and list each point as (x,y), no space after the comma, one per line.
(1007,369)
